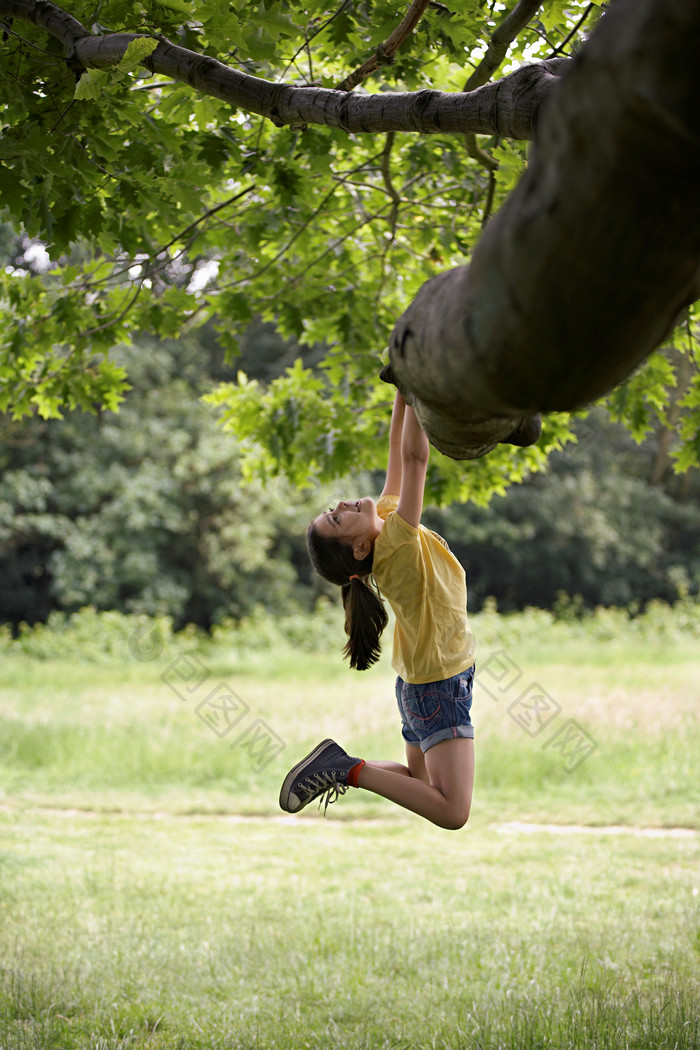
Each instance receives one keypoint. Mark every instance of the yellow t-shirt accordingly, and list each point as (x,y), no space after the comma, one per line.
(426,587)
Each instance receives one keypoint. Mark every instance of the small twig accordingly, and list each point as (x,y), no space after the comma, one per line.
(384,55)
(330,248)
(65,112)
(307,41)
(386,177)
(565,41)
(501,39)
(393,214)
(487,161)
(23,40)
(150,262)
(152,85)
(489,198)
(474,150)
(202,218)
(115,317)
(91,160)
(302,227)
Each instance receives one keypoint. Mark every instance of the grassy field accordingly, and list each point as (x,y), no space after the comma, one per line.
(152,894)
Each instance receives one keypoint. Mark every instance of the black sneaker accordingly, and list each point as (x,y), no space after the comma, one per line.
(323,772)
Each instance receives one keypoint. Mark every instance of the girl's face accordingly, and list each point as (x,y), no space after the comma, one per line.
(351,521)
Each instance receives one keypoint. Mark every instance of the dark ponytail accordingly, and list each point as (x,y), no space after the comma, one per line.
(365,614)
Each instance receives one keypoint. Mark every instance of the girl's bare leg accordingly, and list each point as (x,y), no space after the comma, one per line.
(392,767)
(444,798)
(415,768)
(416,763)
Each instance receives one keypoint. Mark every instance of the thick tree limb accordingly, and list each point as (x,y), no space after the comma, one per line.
(584,270)
(508,107)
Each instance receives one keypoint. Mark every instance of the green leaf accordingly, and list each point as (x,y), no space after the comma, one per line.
(91,84)
(136,51)
(179,6)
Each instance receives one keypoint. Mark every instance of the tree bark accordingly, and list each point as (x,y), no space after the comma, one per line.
(507,107)
(587,266)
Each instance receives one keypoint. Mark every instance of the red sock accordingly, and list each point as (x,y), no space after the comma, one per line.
(354,773)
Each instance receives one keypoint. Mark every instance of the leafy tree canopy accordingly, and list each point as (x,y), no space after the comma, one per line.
(149,203)
(143,511)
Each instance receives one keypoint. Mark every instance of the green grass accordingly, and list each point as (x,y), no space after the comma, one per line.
(200,931)
(152,895)
(123,733)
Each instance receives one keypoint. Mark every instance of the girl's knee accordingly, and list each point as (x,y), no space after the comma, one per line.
(456,817)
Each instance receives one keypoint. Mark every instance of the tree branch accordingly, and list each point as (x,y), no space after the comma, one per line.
(48,16)
(588,264)
(574,30)
(477,153)
(501,39)
(508,108)
(386,177)
(318,29)
(384,55)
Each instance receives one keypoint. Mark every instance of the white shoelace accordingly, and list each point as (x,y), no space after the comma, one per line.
(325,785)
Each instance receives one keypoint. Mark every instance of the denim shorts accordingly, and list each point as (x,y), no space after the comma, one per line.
(436,711)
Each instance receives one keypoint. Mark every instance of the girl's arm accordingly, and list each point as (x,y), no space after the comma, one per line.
(414,461)
(392,485)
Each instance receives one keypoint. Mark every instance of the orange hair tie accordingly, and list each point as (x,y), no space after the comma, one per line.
(354,577)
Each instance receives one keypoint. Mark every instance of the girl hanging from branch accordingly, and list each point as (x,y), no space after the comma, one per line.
(381,549)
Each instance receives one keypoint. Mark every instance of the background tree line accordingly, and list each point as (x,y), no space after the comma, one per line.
(147,510)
